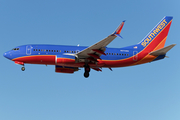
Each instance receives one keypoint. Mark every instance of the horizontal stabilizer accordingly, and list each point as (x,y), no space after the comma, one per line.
(162,51)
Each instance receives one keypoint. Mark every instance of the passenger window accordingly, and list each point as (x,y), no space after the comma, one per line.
(114,53)
(41,49)
(44,50)
(33,49)
(59,50)
(49,50)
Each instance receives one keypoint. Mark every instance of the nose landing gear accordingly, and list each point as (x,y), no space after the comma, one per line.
(20,63)
(87,70)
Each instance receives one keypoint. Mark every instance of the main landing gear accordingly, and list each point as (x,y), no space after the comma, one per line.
(86,70)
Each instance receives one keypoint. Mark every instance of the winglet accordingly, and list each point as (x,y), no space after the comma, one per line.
(118,30)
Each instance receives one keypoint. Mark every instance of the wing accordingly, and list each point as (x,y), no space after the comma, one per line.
(94,52)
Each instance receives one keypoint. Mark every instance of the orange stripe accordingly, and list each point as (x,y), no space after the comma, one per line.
(159,34)
(161,44)
(149,58)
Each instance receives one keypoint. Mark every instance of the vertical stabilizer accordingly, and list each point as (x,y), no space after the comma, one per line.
(157,36)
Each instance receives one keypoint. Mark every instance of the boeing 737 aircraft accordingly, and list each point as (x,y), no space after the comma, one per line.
(68,59)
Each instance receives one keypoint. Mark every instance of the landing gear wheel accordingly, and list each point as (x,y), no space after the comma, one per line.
(87,70)
(86,74)
(23,68)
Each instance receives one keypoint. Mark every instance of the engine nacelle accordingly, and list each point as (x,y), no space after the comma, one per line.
(64,69)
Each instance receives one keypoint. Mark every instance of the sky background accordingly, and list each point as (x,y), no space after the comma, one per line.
(145,92)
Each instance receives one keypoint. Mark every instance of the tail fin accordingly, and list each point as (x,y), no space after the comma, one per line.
(156,38)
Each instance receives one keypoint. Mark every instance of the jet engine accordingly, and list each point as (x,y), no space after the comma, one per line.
(64,69)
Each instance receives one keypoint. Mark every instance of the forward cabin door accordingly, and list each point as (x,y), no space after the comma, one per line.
(28,49)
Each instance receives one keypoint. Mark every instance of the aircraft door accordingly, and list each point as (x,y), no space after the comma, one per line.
(28,49)
(135,55)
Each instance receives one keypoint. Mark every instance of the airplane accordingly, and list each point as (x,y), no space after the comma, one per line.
(68,59)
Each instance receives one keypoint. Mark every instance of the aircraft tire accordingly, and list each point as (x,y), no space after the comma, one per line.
(86,74)
(23,68)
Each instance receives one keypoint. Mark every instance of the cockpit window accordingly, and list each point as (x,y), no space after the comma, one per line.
(15,48)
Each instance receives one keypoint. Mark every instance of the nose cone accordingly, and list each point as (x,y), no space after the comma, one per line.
(7,55)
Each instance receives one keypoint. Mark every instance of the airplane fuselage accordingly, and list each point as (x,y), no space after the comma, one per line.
(56,55)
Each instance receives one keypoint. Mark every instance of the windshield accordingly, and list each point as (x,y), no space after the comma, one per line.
(15,49)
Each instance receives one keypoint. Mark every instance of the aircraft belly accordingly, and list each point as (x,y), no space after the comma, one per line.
(37,59)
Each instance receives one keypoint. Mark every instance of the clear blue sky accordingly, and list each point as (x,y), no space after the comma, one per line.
(145,92)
